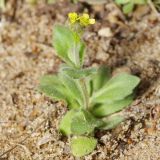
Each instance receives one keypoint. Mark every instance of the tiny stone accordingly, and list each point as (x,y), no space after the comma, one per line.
(102,56)
(105,32)
(121,70)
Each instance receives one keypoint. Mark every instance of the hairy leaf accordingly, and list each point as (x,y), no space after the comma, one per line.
(68,46)
(73,86)
(81,52)
(112,121)
(122,1)
(116,88)
(62,41)
(128,8)
(80,125)
(65,124)
(84,122)
(78,73)
(50,85)
(140,1)
(110,108)
(82,146)
(51,1)
(99,79)
(128,5)
(76,52)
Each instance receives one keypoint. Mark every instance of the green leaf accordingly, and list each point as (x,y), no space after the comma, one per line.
(77,73)
(51,86)
(65,124)
(95,2)
(92,120)
(68,46)
(157,4)
(110,108)
(128,8)
(122,1)
(73,86)
(116,88)
(140,1)
(82,146)
(51,1)
(89,86)
(81,52)
(77,50)
(80,125)
(2,4)
(112,121)
(62,37)
(99,79)
(84,122)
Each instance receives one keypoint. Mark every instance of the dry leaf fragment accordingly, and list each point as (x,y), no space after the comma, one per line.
(45,139)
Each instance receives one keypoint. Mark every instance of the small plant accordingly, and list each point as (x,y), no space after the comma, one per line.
(128,5)
(93,97)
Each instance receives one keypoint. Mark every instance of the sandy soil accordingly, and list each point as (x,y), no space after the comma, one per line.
(29,121)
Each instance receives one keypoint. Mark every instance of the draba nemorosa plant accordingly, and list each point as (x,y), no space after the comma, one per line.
(94,98)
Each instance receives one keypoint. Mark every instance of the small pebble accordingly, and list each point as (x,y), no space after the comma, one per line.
(105,32)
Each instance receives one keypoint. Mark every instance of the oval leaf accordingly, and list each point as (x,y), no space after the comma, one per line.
(74,87)
(80,125)
(110,108)
(68,45)
(62,36)
(82,146)
(140,1)
(78,73)
(112,121)
(100,79)
(51,86)
(65,124)
(115,89)
(84,122)
(128,8)
(122,1)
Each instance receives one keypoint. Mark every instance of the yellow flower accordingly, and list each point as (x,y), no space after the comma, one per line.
(85,15)
(85,20)
(92,21)
(73,17)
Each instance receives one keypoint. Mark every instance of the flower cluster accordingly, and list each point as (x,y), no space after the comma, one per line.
(83,20)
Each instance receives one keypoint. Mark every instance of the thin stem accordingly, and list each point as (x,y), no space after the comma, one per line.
(76,55)
(85,91)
